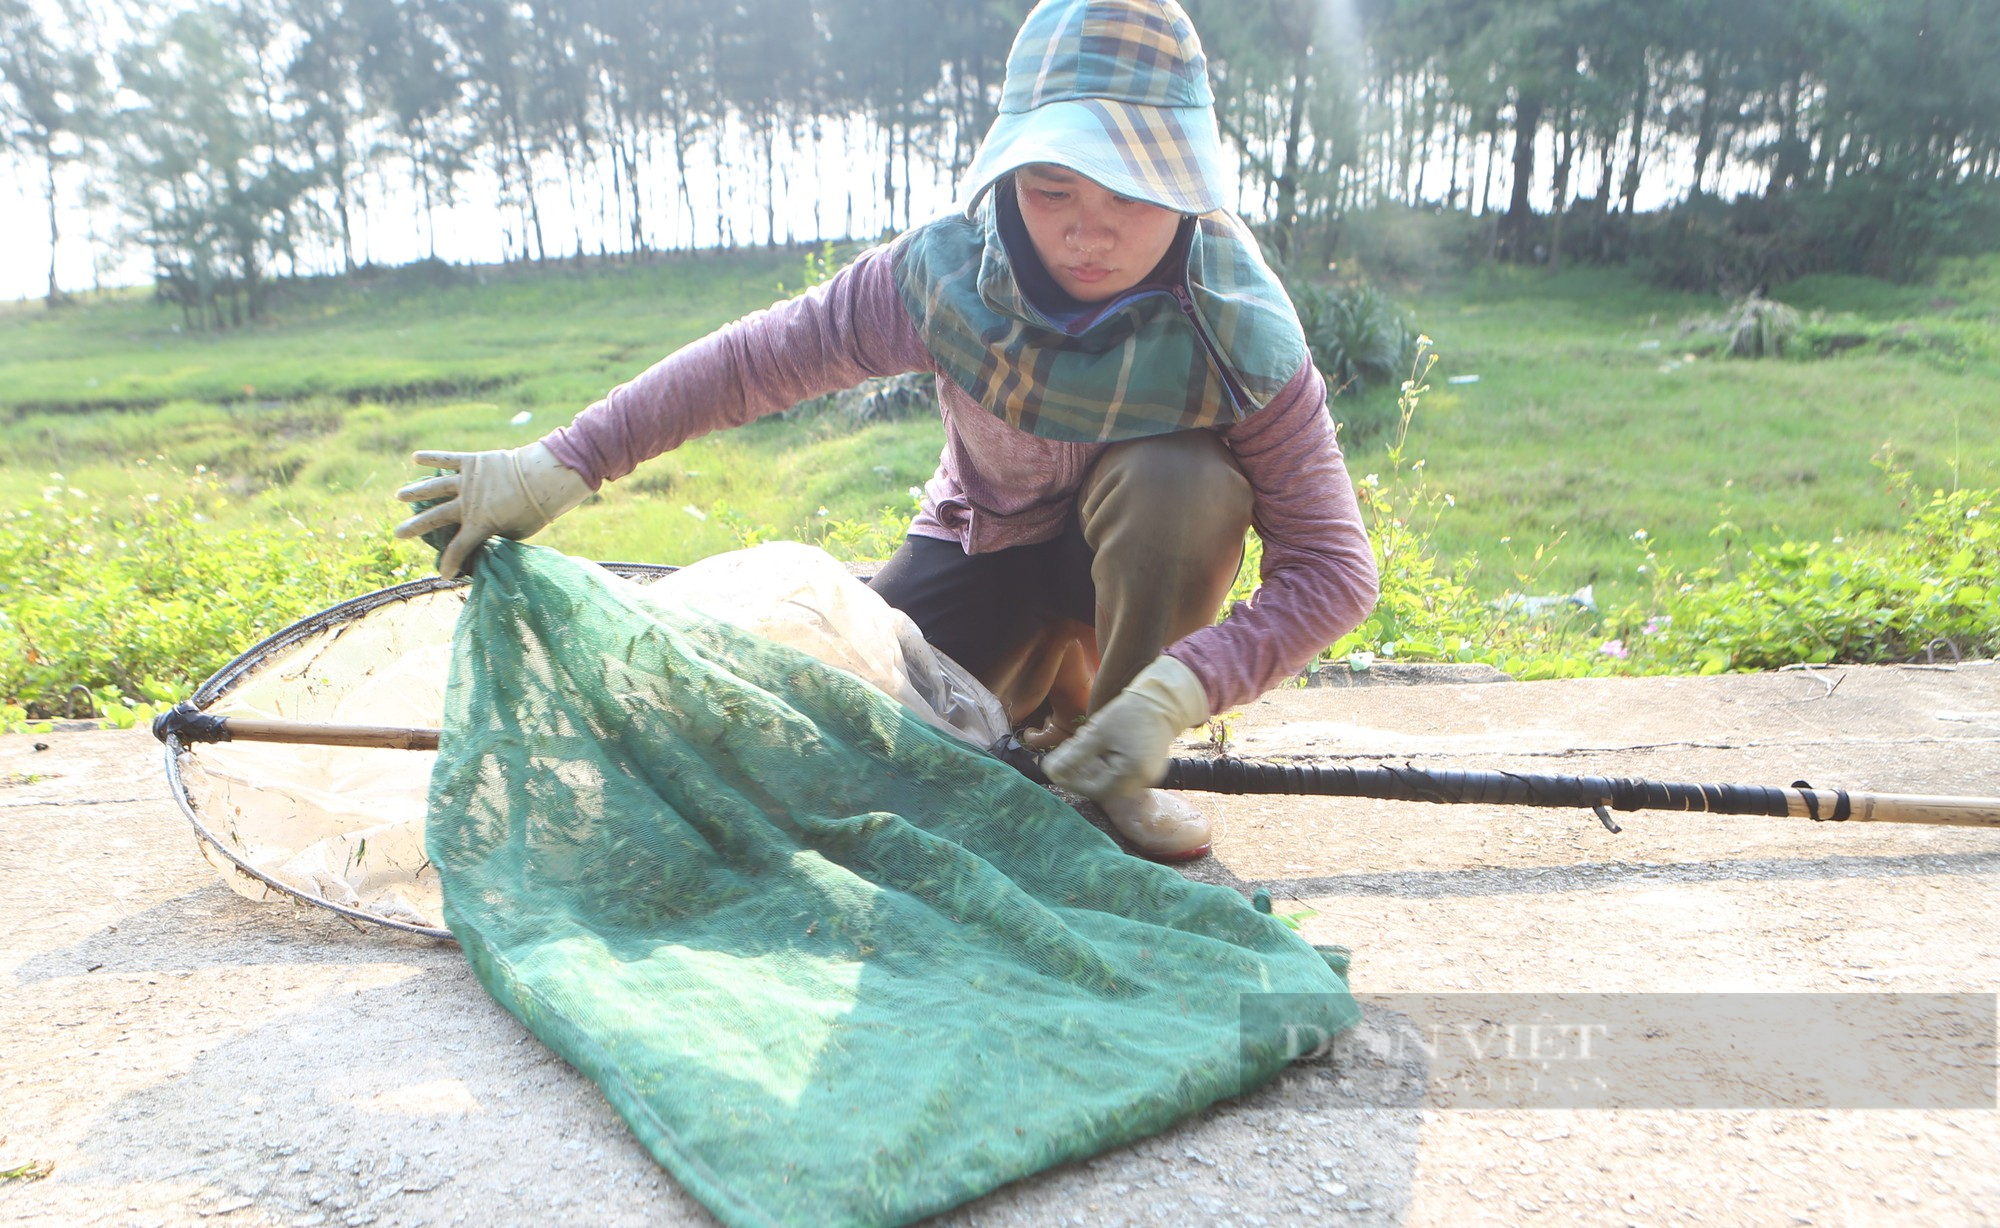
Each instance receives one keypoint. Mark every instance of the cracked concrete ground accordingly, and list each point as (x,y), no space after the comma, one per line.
(178,1055)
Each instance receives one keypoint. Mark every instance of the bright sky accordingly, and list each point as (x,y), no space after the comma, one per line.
(476,231)
(841,180)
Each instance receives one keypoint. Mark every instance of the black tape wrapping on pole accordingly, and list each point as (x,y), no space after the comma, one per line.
(190,725)
(1411,784)
(1842,806)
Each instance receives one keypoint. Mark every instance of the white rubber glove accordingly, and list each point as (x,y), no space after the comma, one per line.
(511,493)
(1122,748)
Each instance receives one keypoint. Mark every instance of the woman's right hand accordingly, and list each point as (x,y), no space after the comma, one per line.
(509,493)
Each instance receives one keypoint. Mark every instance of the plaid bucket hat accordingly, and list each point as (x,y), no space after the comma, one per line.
(1115,90)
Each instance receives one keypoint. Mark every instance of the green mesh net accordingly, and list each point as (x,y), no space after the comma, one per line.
(831,965)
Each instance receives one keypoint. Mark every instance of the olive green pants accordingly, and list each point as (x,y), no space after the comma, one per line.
(1149,558)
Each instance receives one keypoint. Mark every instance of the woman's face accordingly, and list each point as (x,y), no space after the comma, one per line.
(1096,244)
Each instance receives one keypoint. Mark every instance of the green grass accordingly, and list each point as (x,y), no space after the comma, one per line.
(312,414)
(167,498)
(534,339)
(1578,434)
(1573,438)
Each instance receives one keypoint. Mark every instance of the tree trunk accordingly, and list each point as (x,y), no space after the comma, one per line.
(566,149)
(1422,144)
(908,178)
(1704,141)
(340,207)
(614,200)
(681,173)
(56,297)
(1457,146)
(725,224)
(819,224)
(629,152)
(503,170)
(769,126)
(253,276)
(1791,154)
(1520,217)
(92,243)
(528,186)
(336,127)
(629,157)
(1640,102)
(1486,192)
(1601,207)
(418,152)
(1288,178)
(1566,145)
(889,171)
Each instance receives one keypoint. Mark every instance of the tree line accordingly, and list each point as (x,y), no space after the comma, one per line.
(1863,133)
(237,139)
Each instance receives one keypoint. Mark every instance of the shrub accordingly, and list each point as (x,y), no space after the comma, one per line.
(1930,591)
(868,540)
(1946,342)
(1396,243)
(1429,610)
(1933,589)
(816,268)
(886,399)
(1358,338)
(1710,246)
(105,607)
(1880,225)
(1755,327)
(1760,328)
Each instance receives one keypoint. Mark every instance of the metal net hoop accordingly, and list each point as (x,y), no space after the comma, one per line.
(328,624)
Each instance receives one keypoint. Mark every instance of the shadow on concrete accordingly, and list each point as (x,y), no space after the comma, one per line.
(1598,876)
(423,1102)
(419,1102)
(216,928)
(1332,1139)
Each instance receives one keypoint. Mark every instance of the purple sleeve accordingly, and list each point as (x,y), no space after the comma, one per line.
(1318,575)
(831,337)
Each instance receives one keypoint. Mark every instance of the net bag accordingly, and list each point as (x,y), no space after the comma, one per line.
(833,965)
(343,827)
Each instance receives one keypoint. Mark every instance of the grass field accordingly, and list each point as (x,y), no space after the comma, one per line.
(1589,423)
(1588,420)
(312,415)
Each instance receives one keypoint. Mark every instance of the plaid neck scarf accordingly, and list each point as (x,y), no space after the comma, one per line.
(1210,348)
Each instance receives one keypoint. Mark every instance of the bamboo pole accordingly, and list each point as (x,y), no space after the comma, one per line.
(306,733)
(1598,793)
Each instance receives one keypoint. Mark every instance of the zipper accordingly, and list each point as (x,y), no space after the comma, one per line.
(1098,312)
(1237,398)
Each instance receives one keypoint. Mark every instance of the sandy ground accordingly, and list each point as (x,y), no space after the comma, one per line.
(177,1055)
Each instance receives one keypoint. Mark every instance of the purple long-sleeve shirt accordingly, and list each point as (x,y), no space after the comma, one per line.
(997,486)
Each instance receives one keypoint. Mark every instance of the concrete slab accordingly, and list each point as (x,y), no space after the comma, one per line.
(181,1056)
